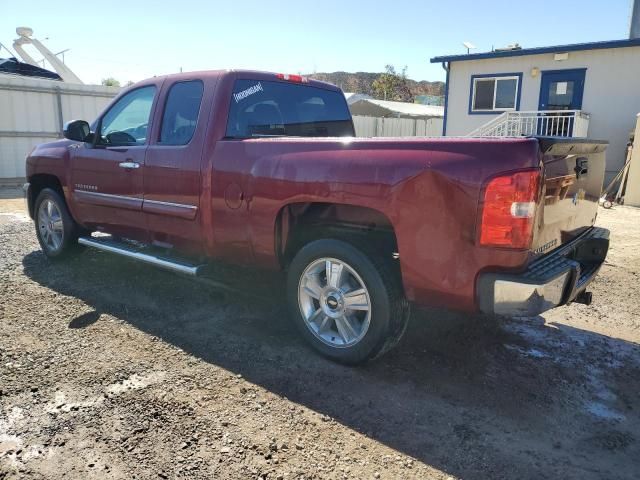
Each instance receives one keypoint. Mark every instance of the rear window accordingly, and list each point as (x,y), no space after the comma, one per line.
(264,109)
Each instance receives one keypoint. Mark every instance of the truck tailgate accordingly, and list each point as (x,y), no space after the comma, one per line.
(573,178)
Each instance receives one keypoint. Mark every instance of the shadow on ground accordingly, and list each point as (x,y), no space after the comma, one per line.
(469,395)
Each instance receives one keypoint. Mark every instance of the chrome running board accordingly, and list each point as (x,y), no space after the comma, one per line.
(106,244)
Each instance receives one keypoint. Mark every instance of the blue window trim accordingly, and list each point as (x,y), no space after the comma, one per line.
(446,100)
(565,70)
(583,71)
(495,75)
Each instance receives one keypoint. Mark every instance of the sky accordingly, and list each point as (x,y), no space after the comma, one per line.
(132,40)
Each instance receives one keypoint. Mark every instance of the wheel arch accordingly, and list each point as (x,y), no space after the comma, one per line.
(39,182)
(298,223)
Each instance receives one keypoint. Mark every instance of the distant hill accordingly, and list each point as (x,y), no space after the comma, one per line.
(360,82)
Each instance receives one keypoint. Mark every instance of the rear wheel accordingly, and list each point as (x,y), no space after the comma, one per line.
(346,306)
(57,232)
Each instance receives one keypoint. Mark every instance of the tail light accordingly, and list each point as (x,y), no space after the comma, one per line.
(292,78)
(509,208)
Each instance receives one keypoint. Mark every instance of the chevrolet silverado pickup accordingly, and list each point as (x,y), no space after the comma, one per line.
(264,170)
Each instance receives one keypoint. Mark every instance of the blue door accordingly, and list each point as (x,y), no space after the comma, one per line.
(560,90)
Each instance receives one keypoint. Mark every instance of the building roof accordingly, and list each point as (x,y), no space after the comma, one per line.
(629,42)
(354,97)
(385,108)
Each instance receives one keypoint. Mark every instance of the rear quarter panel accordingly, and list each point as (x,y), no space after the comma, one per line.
(428,188)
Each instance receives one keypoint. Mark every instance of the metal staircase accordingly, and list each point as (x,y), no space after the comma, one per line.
(553,123)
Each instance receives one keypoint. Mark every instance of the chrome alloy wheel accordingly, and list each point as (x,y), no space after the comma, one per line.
(334,302)
(50,225)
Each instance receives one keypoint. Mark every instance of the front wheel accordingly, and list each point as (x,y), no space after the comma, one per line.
(57,232)
(346,306)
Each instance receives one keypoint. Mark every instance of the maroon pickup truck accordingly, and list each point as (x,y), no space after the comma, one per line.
(263,170)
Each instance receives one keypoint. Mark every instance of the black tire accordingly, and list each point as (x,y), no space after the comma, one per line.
(388,305)
(70,230)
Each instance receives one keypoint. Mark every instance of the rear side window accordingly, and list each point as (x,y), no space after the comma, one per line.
(264,109)
(181,113)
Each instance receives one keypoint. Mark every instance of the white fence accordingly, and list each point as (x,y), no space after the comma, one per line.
(33,111)
(396,127)
(555,123)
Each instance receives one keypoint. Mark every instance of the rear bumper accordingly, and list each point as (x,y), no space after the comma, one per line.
(553,280)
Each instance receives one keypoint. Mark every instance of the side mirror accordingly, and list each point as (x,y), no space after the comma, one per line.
(77,130)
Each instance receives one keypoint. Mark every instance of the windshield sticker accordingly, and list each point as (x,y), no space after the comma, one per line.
(249,91)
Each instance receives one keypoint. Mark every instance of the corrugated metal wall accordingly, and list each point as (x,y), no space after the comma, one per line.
(32,111)
(396,127)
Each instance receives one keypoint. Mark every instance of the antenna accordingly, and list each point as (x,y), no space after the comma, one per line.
(7,49)
(61,52)
(469,46)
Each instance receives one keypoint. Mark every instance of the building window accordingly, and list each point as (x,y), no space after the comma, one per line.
(497,93)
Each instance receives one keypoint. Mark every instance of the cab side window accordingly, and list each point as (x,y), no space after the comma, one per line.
(127,121)
(181,113)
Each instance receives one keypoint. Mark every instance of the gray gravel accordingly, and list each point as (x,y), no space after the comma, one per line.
(112,369)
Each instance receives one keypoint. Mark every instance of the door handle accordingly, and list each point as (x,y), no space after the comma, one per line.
(129,165)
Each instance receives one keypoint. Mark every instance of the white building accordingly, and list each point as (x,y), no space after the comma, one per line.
(386,108)
(383,118)
(588,89)
(354,97)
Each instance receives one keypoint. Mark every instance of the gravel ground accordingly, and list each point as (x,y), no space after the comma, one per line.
(112,369)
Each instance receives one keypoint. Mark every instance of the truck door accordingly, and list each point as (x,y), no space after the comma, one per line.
(560,94)
(172,180)
(107,178)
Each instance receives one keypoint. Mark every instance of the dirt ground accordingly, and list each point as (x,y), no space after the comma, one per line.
(112,369)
